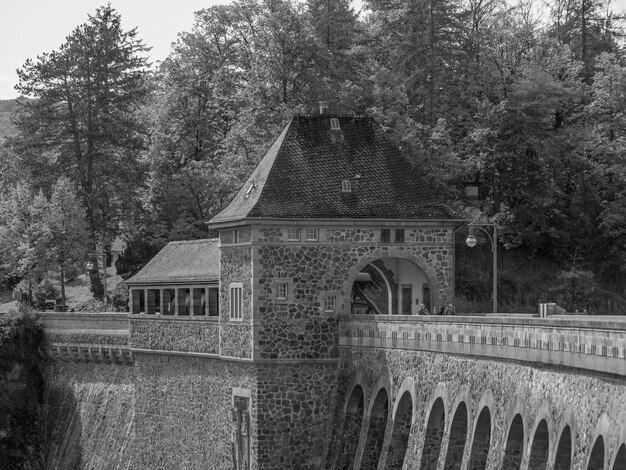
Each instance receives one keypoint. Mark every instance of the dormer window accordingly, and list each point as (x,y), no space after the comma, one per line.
(334,124)
(346,187)
(250,189)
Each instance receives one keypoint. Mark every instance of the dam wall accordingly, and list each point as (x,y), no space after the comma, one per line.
(404,392)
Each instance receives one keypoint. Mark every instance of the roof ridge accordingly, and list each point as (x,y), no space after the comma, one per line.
(194,242)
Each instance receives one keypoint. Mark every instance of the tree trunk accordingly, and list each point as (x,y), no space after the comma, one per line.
(62,289)
(96,283)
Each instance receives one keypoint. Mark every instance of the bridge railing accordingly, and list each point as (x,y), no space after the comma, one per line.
(590,343)
(87,337)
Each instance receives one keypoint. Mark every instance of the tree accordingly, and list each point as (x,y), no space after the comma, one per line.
(84,119)
(23,234)
(67,231)
(589,27)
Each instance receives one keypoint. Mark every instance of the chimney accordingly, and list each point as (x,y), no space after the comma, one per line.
(324,107)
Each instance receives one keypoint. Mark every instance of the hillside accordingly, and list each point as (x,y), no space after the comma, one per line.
(7,107)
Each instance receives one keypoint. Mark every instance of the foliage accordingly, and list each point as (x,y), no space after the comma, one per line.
(526,99)
(84,122)
(41,235)
(136,254)
(7,108)
(21,390)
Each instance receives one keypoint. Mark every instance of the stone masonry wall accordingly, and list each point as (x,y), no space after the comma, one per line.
(236,336)
(560,397)
(168,334)
(298,326)
(183,417)
(295,408)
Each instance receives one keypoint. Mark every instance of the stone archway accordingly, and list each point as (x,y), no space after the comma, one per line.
(376,431)
(563,458)
(401,431)
(540,447)
(596,458)
(481,440)
(434,435)
(458,437)
(439,287)
(514,445)
(353,419)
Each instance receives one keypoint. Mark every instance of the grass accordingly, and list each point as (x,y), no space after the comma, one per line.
(78,296)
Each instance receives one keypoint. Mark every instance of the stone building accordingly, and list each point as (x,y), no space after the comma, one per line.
(332,221)
(181,280)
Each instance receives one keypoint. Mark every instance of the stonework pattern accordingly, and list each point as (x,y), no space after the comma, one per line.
(505,385)
(298,326)
(200,336)
(295,404)
(183,416)
(236,266)
(351,235)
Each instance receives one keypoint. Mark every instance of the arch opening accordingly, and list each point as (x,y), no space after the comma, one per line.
(563,458)
(482,438)
(390,285)
(434,436)
(620,458)
(540,447)
(400,433)
(351,429)
(458,437)
(376,431)
(596,459)
(514,445)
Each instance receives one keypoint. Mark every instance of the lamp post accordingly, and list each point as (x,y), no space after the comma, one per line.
(90,266)
(493,238)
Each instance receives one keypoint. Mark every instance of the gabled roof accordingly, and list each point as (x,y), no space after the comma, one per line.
(182,262)
(301,176)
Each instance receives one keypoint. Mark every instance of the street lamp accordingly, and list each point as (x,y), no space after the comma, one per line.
(470,241)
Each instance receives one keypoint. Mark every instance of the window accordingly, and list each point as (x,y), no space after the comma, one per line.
(281,290)
(214,303)
(400,235)
(329,304)
(311,234)
(334,124)
(293,234)
(385,235)
(346,187)
(235,236)
(236,301)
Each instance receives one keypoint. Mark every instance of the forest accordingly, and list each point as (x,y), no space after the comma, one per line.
(524,100)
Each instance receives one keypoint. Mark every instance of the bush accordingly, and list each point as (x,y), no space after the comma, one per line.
(21,390)
(42,291)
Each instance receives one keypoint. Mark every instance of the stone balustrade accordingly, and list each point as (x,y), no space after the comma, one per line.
(592,343)
(87,337)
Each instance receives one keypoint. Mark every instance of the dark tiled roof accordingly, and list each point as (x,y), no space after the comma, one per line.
(180,262)
(301,174)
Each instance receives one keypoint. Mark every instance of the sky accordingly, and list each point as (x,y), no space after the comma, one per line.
(31,27)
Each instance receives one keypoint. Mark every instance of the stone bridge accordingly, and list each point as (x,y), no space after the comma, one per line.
(468,392)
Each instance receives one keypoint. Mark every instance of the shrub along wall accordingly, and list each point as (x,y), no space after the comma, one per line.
(21,389)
